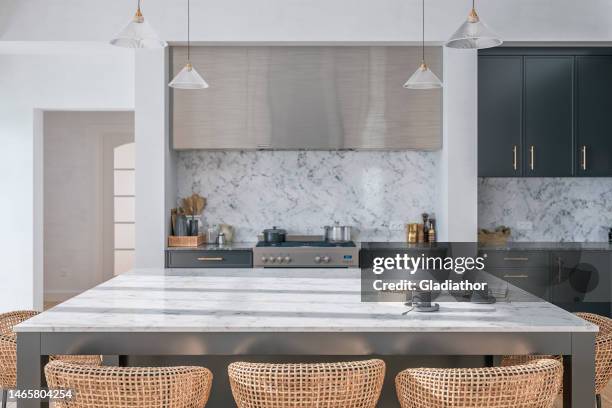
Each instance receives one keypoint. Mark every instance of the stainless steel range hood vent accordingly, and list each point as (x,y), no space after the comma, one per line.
(306,97)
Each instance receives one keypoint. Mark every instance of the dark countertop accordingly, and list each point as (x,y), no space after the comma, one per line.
(402,245)
(234,246)
(510,246)
(549,246)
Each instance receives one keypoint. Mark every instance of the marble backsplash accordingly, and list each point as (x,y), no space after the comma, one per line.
(547,209)
(375,192)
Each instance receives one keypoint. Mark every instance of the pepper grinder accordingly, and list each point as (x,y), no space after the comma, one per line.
(432,230)
(425,217)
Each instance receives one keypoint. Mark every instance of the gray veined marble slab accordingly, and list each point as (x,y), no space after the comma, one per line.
(573,209)
(275,300)
(377,192)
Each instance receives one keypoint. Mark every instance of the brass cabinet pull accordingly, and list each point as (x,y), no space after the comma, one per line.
(532,161)
(516,276)
(516,259)
(514,162)
(584,158)
(210,258)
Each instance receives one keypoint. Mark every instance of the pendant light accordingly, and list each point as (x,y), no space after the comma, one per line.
(138,33)
(423,77)
(188,77)
(474,34)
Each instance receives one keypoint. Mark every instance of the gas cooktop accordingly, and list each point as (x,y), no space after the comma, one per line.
(298,244)
(306,253)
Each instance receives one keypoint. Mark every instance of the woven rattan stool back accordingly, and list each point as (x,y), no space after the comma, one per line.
(603,349)
(8,349)
(532,385)
(354,384)
(131,387)
(8,346)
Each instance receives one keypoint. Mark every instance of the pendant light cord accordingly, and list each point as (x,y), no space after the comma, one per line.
(138,4)
(188,33)
(423,34)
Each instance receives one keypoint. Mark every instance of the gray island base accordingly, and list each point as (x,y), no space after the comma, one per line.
(316,314)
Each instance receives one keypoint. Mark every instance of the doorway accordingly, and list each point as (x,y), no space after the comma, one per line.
(88,200)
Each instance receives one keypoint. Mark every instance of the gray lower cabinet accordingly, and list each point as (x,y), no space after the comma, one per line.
(528,270)
(581,281)
(577,281)
(209,259)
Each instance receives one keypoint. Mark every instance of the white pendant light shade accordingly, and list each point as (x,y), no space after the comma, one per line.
(423,78)
(188,78)
(138,33)
(474,34)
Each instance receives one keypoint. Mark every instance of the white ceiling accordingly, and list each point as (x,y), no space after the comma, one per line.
(305,20)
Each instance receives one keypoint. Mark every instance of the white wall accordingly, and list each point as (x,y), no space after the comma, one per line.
(306,20)
(155,182)
(45,76)
(458,211)
(78,198)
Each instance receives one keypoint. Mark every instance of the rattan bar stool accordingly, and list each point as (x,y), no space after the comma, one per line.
(8,351)
(603,353)
(129,387)
(355,384)
(532,385)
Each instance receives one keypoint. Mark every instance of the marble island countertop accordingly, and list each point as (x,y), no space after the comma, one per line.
(276,300)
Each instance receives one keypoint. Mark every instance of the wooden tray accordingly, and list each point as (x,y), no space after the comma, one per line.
(499,236)
(195,241)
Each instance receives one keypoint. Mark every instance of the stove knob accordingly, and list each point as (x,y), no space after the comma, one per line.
(272,259)
(264,259)
(326,259)
(287,259)
(279,259)
(317,259)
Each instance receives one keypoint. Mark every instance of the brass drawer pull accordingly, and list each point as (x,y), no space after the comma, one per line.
(516,259)
(584,158)
(514,161)
(532,162)
(210,258)
(516,276)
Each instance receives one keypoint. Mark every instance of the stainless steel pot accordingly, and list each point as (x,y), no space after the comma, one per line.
(338,233)
(274,235)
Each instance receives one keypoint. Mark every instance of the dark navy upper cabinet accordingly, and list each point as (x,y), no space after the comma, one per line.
(594,114)
(500,101)
(553,104)
(548,125)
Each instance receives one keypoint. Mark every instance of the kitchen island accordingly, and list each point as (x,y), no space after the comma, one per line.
(297,312)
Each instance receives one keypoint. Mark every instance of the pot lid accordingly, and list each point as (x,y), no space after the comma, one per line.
(274,230)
